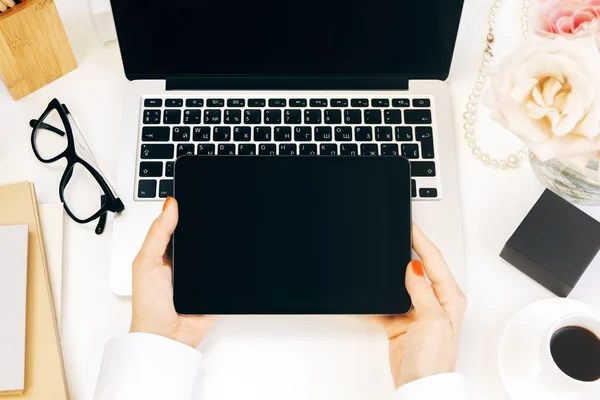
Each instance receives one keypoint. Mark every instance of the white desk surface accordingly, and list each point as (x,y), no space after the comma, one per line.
(494,203)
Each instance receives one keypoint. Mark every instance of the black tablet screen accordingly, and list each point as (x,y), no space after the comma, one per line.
(292,235)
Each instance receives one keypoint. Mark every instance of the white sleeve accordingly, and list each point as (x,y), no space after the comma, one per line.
(141,366)
(441,386)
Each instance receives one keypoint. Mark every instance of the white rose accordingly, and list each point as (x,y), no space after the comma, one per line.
(548,94)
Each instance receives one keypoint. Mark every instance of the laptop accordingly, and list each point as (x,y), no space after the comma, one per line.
(317,77)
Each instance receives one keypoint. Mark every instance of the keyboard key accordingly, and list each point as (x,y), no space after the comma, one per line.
(400,103)
(312,117)
(292,116)
(380,103)
(181,134)
(421,103)
(343,134)
(404,134)
(174,103)
(422,168)
(272,117)
(323,134)
(215,103)
(389,149)
(201,134)
(232,117)
(170,169)
(349,149)
(157,151)
(236,102)
(363,133)
(253,117)
(151,169)
(352,117)
(369,150)
(283,134)
(413,185)
(194,103)
(146,189)
(287,150)
(155,134)
(222,134)
(262,134)
(372,117)
(192,117)
(212,117)
(242,134)
(417,117)
(247,149)
(226,149)
(360,103)
(318,103)
(392,116)
(308,149)
(333,117)
(267,149)
(206,149)
(151,117)
(384,134)
(257,103)
(277,102)
(410,151)
(165,188)
(153,103)
(172,117)
(328,150)
(303,134)
(424,135)
(298,103)
(339,102)
(428,193)
(185,150)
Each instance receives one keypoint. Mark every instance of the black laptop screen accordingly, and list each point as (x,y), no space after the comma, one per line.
(161,38)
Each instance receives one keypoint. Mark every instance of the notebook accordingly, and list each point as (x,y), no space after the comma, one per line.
(44,371)
(13,294)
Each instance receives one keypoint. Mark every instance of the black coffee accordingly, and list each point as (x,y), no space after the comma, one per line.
(576,351)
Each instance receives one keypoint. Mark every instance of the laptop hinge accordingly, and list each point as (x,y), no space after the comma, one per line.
(240,82)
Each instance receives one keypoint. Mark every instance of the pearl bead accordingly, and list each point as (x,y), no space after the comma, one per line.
(477,152)
(473,99)
(476,92)
(470,106)
(502,164)
(487,56)
(479,85)
(485,159)
(472,145)
(494,164)
(469,137)
(513,161)
(485,63)
(494,9)
(469,116)
(492,17)
(522,155)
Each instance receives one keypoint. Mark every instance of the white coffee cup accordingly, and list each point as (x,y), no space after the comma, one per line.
(554,376)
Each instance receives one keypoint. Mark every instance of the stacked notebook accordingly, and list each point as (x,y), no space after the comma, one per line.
(31,368)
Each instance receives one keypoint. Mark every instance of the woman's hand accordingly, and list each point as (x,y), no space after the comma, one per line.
(153,309)
(425,341)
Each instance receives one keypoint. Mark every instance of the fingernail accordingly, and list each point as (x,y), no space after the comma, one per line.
(417,267)
(166,204)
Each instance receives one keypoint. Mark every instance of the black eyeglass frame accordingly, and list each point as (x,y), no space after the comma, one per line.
(109,200)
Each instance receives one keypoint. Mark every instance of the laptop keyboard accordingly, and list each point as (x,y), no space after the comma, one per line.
(173,127)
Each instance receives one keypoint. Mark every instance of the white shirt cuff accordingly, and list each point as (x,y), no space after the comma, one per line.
(147,367)
(442,386)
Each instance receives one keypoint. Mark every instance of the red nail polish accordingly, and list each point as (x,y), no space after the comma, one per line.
(166,204)
(417,267)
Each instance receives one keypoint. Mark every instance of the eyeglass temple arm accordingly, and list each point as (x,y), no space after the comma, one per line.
(33,123)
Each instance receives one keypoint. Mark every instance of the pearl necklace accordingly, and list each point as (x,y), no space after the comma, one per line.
(470,116)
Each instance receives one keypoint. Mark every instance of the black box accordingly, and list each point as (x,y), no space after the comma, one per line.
(554,244)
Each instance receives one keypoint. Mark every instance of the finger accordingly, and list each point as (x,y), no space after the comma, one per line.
(159,235)
(421,293)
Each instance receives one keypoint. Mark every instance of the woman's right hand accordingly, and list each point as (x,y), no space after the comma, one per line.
(425,341)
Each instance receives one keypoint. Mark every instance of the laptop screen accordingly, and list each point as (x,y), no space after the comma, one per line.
(162,38)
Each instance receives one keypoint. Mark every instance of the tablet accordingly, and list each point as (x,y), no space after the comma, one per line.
(292,235)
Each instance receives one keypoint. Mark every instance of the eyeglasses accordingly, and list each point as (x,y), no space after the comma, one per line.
(84,191)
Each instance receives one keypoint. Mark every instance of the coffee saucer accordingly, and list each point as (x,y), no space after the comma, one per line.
(520,350)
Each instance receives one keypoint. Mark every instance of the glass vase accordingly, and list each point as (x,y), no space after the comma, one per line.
(580,187)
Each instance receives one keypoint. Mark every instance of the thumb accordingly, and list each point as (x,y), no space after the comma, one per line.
(160,232)
(421,293)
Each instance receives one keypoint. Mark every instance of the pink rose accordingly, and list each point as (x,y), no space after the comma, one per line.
(569,18)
